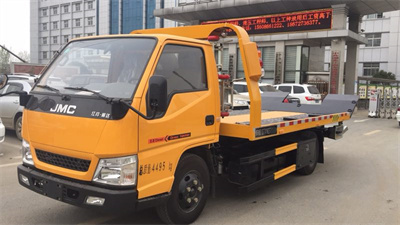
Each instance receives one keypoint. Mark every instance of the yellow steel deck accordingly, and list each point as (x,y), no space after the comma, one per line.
(284,122)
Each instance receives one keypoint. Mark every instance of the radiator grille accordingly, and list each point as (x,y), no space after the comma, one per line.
(63,161)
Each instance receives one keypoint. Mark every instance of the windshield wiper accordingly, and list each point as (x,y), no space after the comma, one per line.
(107,99)
(48,88)
(111,100)
(55,90)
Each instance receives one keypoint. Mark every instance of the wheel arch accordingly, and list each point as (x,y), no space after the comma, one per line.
(205,153)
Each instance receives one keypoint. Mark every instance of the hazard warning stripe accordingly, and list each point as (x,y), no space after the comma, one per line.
(308,120)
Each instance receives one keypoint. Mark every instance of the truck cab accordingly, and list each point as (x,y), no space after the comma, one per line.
(80,129)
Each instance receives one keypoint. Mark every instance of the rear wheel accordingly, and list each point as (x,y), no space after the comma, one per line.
(18,127)
(189,192)
(309,169)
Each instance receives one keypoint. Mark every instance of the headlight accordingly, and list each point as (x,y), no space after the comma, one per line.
(26,153)
(120,171)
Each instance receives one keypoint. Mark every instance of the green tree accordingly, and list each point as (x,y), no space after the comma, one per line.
(4,61)
(384,75)
(24,55)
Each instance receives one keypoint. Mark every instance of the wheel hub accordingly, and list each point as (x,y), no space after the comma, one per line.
(190,191)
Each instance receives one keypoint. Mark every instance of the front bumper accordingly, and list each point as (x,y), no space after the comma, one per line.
(76,193)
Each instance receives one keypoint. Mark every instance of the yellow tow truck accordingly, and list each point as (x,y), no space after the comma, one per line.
(142,120)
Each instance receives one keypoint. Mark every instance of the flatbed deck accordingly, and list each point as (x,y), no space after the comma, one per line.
(275,123)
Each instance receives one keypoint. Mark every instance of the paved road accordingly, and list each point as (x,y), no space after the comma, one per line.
(359,183)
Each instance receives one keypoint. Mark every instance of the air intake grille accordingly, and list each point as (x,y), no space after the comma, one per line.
(63,161)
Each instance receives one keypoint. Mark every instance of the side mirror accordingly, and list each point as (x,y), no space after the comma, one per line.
(157,95)
(3,80)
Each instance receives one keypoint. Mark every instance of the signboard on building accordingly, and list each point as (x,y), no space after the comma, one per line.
(335,69)
(287,22)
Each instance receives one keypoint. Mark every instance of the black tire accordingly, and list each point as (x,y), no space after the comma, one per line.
(178,209)
(309,169)
(399,123)
(18,127)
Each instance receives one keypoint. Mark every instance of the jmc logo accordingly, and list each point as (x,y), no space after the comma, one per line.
(60,108)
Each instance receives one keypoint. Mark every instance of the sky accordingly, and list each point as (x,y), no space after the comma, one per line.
(14,25)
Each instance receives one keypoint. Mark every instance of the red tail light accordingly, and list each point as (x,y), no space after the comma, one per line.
(286,101)
(223,114)
(310,98)
(223,76)
(398,109)
(213,38)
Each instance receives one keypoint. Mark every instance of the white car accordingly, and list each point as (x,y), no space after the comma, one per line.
(19,76)
(308,94)
(241,94)
(398,115)
(10,110)
(241,88)
(2,131)
(240,101)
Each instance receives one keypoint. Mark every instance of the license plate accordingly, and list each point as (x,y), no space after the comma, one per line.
(49,188)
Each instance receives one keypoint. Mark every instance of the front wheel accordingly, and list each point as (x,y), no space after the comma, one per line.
(189,192)
(18,128)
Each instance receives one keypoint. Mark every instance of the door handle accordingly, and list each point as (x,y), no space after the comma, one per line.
(209,120)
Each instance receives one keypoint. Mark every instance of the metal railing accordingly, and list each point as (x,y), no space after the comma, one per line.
(389,95)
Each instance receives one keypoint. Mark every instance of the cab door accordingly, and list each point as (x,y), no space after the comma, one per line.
(190,119)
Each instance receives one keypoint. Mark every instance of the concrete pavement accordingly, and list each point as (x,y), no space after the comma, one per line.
(358,183)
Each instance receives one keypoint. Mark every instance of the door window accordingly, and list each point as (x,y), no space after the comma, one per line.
(12,87)
(184,69)
(285,88)
(298,90)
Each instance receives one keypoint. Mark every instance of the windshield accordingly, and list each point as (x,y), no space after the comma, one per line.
(111,67)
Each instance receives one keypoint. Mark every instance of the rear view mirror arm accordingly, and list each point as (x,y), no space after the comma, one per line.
(135,110)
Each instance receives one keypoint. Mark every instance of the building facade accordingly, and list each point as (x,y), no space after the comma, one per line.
(55,22)
(292,55)
(382,52)
(383,49)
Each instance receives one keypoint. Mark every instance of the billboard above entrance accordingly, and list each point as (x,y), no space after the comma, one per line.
(288,22)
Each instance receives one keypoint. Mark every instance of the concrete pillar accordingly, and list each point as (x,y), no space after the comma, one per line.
(352,57)
(337,66)
(351,68)
(280,61)
(339,18)
(232,49)
(339,22)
